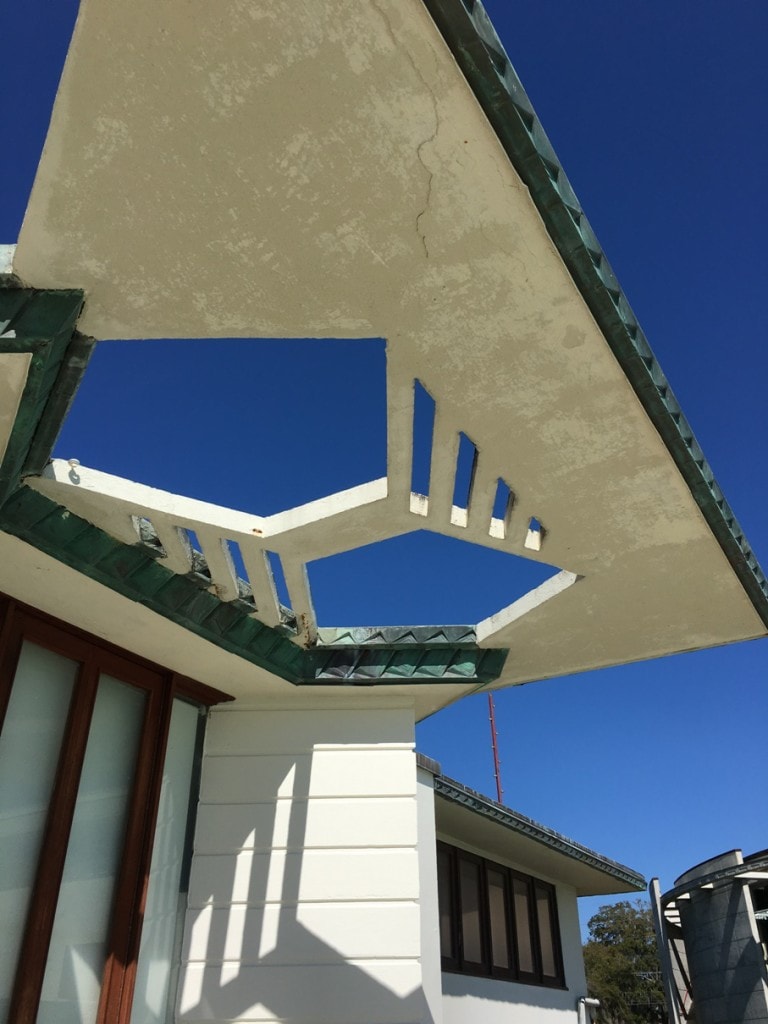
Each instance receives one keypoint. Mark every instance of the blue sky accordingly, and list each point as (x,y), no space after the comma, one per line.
(657,113)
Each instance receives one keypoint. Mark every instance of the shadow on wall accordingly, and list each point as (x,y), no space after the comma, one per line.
(740,978)
(250,957)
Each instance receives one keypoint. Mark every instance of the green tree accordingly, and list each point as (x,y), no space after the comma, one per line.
(622,964)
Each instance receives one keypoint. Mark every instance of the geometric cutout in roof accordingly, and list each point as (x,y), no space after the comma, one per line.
(258,424)
(420,577)
(467,525)
(262,562)
(423,427)
(466,464)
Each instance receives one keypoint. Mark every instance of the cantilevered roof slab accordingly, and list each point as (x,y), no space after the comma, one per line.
(463,814)
(330,170)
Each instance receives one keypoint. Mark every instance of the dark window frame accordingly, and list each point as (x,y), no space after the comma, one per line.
(457,964)
(161,686)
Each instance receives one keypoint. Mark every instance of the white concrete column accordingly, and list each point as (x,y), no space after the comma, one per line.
(304,892)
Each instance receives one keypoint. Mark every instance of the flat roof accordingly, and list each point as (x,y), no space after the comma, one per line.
(468,816)
(378,171)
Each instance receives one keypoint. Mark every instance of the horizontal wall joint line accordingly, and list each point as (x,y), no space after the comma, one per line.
(314,901)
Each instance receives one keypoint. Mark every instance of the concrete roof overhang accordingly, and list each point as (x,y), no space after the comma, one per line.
(498,832)
(375,169)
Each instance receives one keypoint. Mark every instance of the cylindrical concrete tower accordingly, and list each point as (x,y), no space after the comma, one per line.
(728,974)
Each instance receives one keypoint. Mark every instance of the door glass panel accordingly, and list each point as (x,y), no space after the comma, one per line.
(525,961)
(469,882)
(29,753)
(497,905)
(546,938)
(160,951)
(72,982)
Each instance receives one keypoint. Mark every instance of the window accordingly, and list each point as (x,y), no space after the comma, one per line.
(495,921)
(99,753)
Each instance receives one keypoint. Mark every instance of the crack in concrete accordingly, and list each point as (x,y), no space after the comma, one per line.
(425,142)
(431,174)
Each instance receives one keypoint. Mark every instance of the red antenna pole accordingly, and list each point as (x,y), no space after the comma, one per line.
(495,746)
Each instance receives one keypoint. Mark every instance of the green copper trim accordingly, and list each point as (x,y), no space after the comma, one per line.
(411,663)
(396,636)
(40,323)
(71,372)
(479,53)
(454,792)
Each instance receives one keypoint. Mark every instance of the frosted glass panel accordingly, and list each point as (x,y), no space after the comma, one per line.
(497,905)
(29,753)
(469,882)
(72,983)
(523,926)
(546,938)
(160,951)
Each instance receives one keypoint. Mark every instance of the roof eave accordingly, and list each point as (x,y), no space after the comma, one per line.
(480,55)
(454,792)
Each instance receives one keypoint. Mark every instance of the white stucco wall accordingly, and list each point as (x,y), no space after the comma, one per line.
(303,901)
(468,1000)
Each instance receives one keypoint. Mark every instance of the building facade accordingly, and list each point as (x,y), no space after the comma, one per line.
(211,807)
(169,854)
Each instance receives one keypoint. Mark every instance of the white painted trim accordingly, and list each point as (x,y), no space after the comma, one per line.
(489,627)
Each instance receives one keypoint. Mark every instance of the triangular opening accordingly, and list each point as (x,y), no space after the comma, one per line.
(256,425)
(420,578)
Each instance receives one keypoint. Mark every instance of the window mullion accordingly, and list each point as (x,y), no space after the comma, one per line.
(42,910)
(458,931)
(535,934)
(511,933)
(554,911)
(7,605)
(485,919)
(455,862)
(131,888)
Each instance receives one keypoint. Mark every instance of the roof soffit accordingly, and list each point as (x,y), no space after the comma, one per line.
(315,185)
(499,832)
